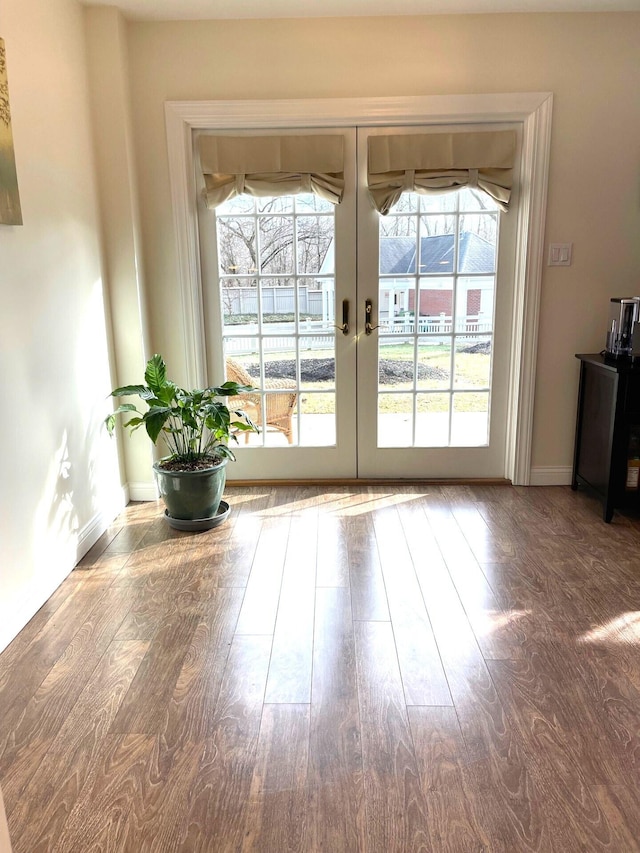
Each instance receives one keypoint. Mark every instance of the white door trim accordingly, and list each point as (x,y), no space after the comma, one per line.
(533,109)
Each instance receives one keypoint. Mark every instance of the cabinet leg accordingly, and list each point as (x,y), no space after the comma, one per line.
(608,513)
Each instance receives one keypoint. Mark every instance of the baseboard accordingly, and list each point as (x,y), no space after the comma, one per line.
(143,492)
(93,529)
(551,475)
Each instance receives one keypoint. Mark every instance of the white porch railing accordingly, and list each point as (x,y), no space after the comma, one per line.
(318,335)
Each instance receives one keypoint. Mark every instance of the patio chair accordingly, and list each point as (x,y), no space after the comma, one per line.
(279,407)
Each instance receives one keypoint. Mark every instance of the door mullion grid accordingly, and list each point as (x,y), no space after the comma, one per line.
(263,401)
(296,318)
(454,312)
(416,314)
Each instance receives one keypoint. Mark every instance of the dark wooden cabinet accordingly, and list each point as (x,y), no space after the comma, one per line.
(607,430)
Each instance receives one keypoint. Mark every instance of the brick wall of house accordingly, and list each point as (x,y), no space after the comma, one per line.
(435,302)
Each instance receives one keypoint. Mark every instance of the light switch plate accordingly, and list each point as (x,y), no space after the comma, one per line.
(560,254)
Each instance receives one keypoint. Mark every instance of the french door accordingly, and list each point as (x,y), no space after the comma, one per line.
(379,346)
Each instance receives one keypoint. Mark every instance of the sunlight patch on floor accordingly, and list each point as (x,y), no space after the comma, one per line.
(624,628)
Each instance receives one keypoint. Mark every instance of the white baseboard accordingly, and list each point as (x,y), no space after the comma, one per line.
(93,530)
(143,492)
(551,475)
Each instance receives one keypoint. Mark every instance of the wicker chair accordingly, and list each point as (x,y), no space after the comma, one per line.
(279,407)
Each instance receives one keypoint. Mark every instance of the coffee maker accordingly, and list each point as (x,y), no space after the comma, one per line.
(624,327)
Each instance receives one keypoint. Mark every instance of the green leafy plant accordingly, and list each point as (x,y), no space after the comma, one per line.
(197,425)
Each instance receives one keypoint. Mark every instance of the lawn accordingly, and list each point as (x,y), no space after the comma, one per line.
(472,371)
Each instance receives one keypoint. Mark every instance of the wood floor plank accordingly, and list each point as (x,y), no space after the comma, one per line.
(156,818)
(40,813)
(421,668)
(368,594)
(332,557)
(100,818)
(620,807)
(44,714)
(336,794)
(18,646)
(396,809)
(457,643)
(29,669)
(277,813)
(219,798)
(289,678)
(454,810)
(487,546)
(558,760)
(146,705)
(498,763)
(260,605)
(562,742)
(191,711)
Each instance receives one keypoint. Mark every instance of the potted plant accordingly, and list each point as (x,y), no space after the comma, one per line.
(197,427)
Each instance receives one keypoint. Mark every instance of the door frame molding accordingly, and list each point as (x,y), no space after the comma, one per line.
(532,109)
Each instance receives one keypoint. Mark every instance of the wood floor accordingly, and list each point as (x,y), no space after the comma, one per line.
(382,669)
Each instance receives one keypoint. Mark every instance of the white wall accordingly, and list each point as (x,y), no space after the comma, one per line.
(60,479)
(590,63)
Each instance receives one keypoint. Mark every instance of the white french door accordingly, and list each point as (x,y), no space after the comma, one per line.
(274,270)
(433,372)
(414,384)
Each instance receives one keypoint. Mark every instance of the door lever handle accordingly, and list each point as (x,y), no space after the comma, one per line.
(344,326)
(368,312)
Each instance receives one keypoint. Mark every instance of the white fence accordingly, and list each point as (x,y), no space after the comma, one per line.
(318,335)
(277,300)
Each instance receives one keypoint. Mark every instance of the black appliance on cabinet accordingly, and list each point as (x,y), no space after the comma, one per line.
(624,328)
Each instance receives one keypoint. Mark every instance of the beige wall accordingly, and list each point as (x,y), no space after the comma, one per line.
(108,66)
(59,471)
(589,61)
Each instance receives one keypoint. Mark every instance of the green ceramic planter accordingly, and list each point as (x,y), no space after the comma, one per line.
(192,495)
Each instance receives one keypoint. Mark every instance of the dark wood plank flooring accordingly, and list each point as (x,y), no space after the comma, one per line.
(385,669)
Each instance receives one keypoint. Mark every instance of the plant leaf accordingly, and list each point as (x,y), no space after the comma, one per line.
(154,420)
(156,374)
(223,451)
(131,391)
(231,389)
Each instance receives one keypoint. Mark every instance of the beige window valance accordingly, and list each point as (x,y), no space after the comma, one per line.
(271,166)
(437,162)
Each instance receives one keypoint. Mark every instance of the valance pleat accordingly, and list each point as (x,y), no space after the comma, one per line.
(440,162)
(272,166)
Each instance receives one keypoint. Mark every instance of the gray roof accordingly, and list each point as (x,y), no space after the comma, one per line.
(398,255)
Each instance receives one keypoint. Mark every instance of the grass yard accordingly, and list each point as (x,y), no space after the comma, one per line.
(472,370)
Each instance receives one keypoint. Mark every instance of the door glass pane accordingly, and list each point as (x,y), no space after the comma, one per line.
(435,305)
(395,420)
(277,283)
(434,363)
(432,420)
(275,234)
(278,305)
(477,243)
(475,300)
(470,420)
(437,246)
(317,362)
(436,312)
(396,363)
(317,419)
(472,367)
